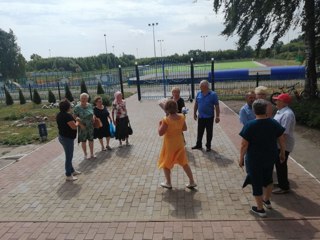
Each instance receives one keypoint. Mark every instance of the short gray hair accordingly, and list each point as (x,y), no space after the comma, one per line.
(84,95)
(204,82)
(260,106)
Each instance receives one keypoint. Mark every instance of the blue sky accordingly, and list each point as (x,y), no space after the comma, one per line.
(76,28)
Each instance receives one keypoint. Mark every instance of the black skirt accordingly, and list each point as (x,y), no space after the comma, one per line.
(122,128)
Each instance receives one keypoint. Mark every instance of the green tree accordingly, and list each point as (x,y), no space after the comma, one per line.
(272,19)
(9,100)
(83,89)
(12,63)
(21,97)
(100,89)
(51,97)
(36,97)
(68,94)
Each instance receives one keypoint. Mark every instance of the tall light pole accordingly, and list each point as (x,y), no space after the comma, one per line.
(113,50)
(154,41)
(105,44)
(204,42)
(204,47)
(161,41)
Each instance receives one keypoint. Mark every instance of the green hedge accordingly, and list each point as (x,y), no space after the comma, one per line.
(307,112)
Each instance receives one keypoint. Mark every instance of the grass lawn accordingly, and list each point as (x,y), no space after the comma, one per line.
(206,67)
(19,123)
(236,65)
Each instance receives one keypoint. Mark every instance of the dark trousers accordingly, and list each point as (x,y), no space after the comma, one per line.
(282,172)
(205,124)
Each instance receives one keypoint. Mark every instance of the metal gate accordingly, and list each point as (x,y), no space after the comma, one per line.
(157,80)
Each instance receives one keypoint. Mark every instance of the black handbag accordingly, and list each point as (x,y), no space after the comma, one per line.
(130,131)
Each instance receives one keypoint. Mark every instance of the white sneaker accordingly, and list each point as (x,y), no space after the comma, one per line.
(76,172)
(71,178)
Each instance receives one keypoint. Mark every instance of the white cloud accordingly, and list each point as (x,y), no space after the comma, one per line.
(76,27)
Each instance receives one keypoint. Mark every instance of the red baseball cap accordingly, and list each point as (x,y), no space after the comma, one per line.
(284,97)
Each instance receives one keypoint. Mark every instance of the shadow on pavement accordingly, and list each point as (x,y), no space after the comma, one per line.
(124,152)
(68,190)
(287,228)
(296,203)
(184,206)
(217,158)
(88,165)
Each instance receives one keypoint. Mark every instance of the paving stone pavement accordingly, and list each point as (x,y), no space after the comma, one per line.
(118,195)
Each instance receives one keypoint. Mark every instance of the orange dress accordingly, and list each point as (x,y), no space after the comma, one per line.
(173,150)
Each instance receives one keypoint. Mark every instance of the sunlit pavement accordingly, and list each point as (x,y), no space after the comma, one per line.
(118,195)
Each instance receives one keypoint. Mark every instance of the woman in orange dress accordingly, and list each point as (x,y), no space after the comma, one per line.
(173,150)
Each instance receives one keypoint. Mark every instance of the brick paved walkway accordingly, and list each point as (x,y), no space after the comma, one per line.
(118,195)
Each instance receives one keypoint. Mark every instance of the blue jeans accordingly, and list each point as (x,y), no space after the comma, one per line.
(68,146)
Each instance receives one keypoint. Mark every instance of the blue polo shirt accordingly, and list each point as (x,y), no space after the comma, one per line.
(206,104)
(246,114)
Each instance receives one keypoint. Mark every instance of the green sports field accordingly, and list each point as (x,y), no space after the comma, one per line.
(205,67)
(236,65)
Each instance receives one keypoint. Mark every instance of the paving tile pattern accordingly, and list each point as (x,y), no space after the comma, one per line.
(118,195)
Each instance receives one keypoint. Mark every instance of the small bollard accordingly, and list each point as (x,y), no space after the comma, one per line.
(43,131)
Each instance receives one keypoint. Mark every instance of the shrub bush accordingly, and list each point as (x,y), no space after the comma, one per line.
(68,94)
(9,100)
(83,89)
(307,112)
(106,100)
(21,97)
(51,97)
(100,90)
(36,97)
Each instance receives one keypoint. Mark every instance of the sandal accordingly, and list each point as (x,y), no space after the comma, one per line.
(166,185)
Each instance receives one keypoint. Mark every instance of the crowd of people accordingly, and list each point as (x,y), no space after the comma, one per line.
(90,122)
(267,138)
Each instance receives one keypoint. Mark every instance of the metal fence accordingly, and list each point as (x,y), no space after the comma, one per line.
(156,81)
(56,82)
(153,81)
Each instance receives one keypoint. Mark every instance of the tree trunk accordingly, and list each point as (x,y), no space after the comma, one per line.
(310,38)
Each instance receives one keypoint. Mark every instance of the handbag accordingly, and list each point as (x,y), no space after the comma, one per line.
(130,131)
(97,123)
(112,130)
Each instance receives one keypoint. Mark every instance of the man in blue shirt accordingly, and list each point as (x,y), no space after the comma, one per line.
(206,104)
(246,114)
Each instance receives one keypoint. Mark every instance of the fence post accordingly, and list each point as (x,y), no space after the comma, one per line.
(138,81)
(121,81)
(59,91)
(192,78)
(30,92)
(257,80)
(212,74)
(164,82)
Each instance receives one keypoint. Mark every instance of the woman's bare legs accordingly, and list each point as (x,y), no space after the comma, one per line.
(188,171)
(167,174)
(84,149)
(267,192)
(259,202)
(101,143)
(91,149)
